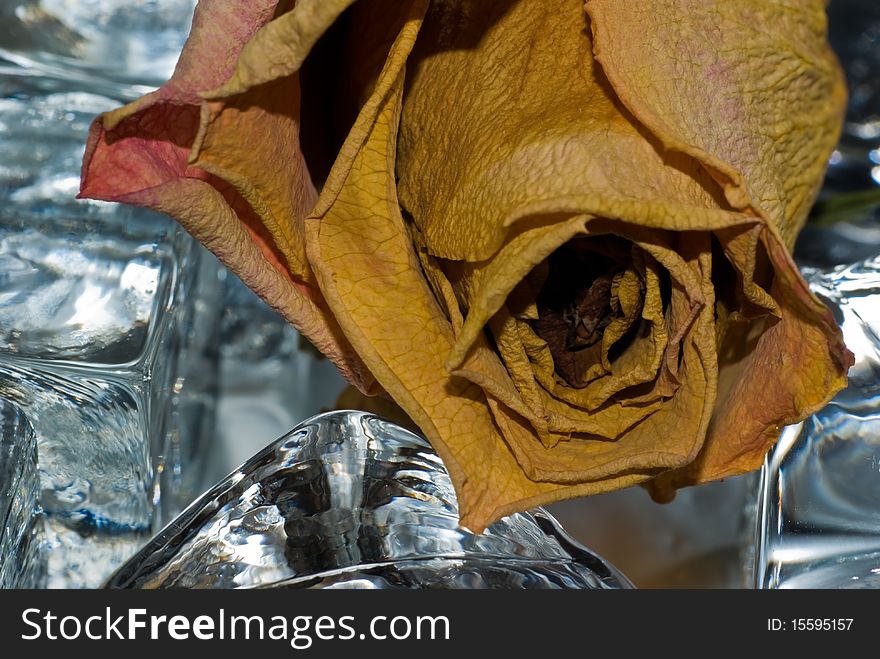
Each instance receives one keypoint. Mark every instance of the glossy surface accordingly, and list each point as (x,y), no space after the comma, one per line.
(20,560)
(347,500)
(118,45)
(108,332)
(819,511)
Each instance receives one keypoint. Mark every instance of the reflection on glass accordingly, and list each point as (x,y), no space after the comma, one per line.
(348,500)
(21,563)
(819,507)
(117,45)
(108,315)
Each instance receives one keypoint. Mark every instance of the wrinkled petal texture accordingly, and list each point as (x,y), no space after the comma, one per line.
(677,126)
(228,166)
(652,161)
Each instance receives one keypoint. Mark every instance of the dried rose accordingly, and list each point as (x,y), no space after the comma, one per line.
(558,239)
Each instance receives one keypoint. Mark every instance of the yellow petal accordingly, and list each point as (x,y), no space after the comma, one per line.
(767,380)
(496,134)
(280,48)
(779,95)
(574,136)
(761,108)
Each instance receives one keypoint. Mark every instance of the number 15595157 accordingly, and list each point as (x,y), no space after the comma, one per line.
(809,624)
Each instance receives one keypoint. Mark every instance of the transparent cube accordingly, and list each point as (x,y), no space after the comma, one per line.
(108,339)
(21,565)
(117,45)
(348,500)
(819,504)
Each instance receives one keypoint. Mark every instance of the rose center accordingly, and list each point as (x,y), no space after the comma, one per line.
(575,302)
(589,313)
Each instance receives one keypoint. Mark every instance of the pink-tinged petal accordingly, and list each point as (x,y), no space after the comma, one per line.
(231,172)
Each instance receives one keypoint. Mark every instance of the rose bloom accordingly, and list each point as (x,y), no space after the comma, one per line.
(557,235)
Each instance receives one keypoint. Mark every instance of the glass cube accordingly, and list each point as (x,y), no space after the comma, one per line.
(819,505)
(108,330)
(122,46)
(349,500)
(21,564)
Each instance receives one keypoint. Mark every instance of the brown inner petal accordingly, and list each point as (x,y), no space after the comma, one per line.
(575,303)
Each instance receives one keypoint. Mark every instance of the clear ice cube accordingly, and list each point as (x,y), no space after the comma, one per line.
(348,500)
(854,33)
(108,329)
(819,504)
(89,298)
(268,382)
(21,565)
(105,43)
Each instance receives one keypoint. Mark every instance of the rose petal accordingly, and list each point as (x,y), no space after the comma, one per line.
(529,134)
(535,147)
(279,50)
(781,101)
(239,159)
(778,378)
(776,90)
